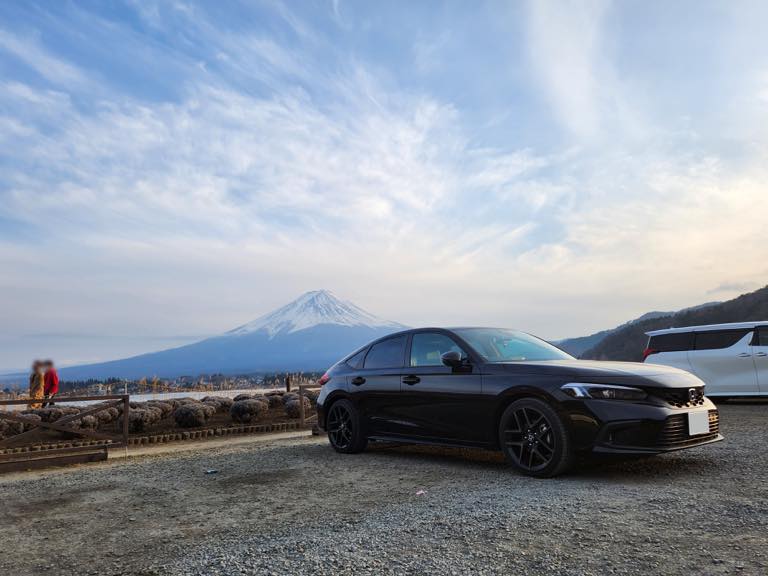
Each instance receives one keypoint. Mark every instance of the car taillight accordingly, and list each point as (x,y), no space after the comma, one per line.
(648,351)
(323,379)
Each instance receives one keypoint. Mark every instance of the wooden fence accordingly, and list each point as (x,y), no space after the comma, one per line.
(11,460)
(305,420)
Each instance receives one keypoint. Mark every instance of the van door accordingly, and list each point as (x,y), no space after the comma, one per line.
(723,360)
(760,357)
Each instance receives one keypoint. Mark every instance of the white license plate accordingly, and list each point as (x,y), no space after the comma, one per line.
(698,422)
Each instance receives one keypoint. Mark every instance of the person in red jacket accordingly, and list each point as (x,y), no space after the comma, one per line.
(51,387)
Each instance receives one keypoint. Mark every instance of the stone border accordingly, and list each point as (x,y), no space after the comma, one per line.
(217,432)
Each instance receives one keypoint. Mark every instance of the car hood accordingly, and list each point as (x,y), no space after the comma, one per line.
(630,373)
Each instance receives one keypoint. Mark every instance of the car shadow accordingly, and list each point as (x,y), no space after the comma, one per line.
(439,454)
(660,469)
(742,402)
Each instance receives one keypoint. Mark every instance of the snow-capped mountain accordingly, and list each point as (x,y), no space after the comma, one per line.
(310,333)
(312,309)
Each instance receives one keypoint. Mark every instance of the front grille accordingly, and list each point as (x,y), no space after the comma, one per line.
(675,431)
(681,397)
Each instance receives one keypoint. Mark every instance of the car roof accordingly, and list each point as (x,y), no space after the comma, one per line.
(707,327)
(447,329)
(407,331)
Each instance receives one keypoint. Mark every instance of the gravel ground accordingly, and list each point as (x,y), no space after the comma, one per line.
(296,507)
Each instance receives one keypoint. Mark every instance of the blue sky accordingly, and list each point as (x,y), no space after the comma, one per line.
(170,170)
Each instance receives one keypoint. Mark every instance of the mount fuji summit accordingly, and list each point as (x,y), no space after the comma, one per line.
(308,334)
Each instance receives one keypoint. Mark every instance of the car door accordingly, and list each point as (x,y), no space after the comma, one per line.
(760,357)
(442,403)
(723,360)
(376,386)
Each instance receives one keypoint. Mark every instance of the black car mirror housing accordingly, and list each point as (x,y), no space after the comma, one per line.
(452,359)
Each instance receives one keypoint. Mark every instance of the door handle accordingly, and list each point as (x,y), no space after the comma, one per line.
(745,355)
(761,353)
(358,380)
(411,380)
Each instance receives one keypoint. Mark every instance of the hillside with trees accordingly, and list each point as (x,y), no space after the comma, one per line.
(628,342)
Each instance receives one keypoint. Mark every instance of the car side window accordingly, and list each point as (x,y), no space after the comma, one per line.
(761,336)
(428,347)
(388,353)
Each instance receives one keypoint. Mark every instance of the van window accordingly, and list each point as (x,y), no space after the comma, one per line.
(718,339)
(674,342)
(761,336)
(386,354)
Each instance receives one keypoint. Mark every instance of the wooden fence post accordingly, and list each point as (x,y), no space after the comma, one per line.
(301,405)
(126,410)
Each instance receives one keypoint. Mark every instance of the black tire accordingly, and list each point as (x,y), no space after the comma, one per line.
(534,439)
(345,430)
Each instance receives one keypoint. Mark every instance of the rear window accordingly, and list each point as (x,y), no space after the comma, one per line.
(674,342)
(386,354)
(718,339)
(356,360)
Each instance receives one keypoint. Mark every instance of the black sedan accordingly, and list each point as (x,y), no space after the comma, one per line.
(507,390)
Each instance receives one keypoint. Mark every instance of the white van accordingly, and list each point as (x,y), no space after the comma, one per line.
(732,359)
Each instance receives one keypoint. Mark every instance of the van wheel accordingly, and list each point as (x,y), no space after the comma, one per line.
(345,431)
(534,439)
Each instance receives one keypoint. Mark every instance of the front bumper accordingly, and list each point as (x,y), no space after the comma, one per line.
(608,427)
(654,436)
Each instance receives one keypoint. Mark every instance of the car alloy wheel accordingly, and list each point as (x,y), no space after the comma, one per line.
(534,439)
(344,430)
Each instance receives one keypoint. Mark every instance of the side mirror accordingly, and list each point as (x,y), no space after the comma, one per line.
(452,359)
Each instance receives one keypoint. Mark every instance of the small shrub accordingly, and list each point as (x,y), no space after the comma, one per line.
(89,422)
(312,396)
(107,415)
(141,419)
(289,397)
(166,408)
(240,397)
(49,414)
(292,408)
(190,415)
(274,400)
(186,400)
(29,426)
(245,411)
(208,409)
(221,403)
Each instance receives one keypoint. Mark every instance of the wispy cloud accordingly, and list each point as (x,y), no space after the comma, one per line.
(31,53)
(300,157)
(566,48)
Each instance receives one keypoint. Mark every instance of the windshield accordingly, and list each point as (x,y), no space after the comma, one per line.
(498,345)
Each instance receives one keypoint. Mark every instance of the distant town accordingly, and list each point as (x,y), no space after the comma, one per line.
(155,385)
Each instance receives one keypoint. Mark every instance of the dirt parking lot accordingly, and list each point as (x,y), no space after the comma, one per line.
(296,507)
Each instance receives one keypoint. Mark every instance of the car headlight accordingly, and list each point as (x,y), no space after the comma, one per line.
(603,391)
